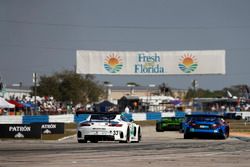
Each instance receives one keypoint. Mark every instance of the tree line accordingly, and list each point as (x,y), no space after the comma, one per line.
(69,87)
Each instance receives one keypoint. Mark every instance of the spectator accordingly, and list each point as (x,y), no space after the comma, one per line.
(126,110)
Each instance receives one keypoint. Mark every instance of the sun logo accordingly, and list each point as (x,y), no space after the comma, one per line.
(113,63)
(188,63)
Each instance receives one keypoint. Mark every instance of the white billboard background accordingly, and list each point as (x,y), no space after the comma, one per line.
(151,63)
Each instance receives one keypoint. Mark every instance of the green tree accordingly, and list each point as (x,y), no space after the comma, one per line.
(202,93)
(67,86)
(49,86)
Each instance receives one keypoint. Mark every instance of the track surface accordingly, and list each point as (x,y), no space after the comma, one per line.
(156,149)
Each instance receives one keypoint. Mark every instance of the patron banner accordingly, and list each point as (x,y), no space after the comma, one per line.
(20,131)
(151,63)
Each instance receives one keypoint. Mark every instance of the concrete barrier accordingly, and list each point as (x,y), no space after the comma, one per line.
(33,119)
(70,118)
(11,119)
(139,116)
(153,116)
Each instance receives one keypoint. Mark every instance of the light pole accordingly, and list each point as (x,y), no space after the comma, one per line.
(195,85)
(1,87)
(108,86)
(151,86)
(131,88)
(35,86)
(149,94)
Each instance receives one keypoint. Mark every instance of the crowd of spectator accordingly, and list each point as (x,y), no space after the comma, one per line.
(37,106)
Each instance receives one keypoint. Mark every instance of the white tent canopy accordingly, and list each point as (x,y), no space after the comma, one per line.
(5,104)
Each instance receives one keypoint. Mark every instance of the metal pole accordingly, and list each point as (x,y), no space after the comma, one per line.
(35,94)
(35,85)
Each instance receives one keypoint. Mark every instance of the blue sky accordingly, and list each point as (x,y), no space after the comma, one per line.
(43,36)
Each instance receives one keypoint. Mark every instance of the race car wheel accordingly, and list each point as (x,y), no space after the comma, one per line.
(187,136)
(225,135)
(158,128)
(228,132)
(139,134)
(128,136)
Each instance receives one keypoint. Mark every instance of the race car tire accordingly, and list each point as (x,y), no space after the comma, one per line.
(225,135)
(187,136)
(181,130)
(158,128)
(139,136)
(128,135)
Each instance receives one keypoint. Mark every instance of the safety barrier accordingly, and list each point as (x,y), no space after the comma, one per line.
(11,119)
(70,118)
(33,119)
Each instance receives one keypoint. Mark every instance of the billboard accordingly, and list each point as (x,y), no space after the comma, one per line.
(151,63)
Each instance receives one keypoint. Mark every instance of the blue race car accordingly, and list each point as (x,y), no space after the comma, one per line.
(205,125)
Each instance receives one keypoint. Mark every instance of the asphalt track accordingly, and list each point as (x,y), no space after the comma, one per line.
(156,149)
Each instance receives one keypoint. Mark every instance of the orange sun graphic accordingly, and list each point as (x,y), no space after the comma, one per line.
(113,60)
(188,60)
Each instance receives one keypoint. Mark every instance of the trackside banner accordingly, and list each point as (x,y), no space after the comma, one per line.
(20,131)
(51,128)
(151,63)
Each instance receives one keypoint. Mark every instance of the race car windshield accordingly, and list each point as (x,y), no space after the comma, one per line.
(103,117)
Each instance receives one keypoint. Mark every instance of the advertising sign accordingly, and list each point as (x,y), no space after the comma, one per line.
(20,131)
(151,63)
(51,128)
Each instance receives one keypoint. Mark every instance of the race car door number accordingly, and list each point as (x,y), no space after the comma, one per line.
(115,132)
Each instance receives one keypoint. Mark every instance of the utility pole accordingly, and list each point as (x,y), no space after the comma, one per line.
(2,88)
(195,86)
(35,87)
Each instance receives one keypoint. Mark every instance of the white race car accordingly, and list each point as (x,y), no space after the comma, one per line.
(108,127)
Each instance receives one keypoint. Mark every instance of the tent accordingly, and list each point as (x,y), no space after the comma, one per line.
(5,104)
(18,105)
(103,106)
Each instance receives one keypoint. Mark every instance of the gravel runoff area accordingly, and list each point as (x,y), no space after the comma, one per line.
(156,149)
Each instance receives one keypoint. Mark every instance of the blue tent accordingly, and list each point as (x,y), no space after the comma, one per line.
(103,106)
